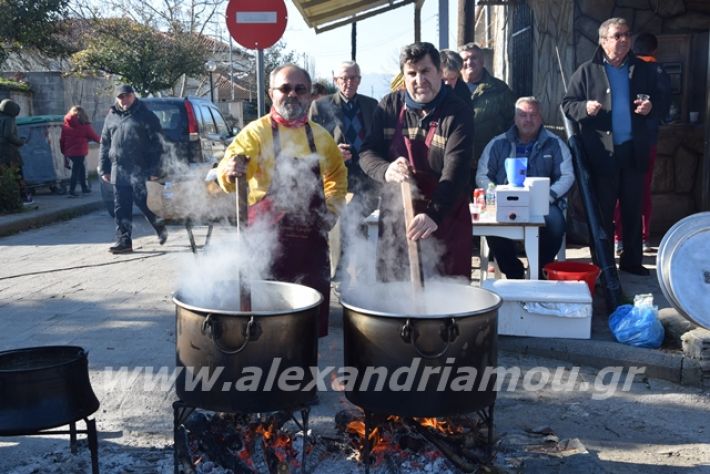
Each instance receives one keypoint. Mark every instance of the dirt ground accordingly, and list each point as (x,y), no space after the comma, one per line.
(120,309)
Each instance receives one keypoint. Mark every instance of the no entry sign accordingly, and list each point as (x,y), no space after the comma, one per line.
(256,24)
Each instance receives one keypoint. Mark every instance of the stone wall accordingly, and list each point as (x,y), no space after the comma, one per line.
(677,175)
(553,32)
(654,16)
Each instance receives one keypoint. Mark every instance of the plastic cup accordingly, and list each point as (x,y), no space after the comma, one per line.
(475,211)
(516,169)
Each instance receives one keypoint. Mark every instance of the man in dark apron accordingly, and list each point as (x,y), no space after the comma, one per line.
(297,182)
(424,134)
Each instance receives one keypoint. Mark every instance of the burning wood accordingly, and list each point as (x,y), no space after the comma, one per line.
(454,443)
(238,444)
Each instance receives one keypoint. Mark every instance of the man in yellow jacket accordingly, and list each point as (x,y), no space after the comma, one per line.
(297,181)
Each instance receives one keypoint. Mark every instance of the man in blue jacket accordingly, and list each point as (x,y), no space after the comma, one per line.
(130,155)
(548,157)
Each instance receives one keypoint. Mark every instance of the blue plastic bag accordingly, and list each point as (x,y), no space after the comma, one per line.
(637,325)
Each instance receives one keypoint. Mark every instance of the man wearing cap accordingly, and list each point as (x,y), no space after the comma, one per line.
(130,155)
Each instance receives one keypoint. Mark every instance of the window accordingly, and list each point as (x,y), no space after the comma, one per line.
(219,121)
(207,119)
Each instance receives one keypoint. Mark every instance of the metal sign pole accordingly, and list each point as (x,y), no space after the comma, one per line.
(260,92)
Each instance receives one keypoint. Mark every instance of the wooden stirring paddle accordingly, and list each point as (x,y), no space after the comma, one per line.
(415,263)
(241,205)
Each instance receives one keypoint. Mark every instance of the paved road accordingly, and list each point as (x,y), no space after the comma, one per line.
(59,285)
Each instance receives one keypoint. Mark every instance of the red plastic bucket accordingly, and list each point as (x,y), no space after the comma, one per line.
(586,272)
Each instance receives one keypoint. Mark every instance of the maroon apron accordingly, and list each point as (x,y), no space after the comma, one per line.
(454,231)
(302,233)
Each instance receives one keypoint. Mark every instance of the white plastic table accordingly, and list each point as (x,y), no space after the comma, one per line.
(528,232)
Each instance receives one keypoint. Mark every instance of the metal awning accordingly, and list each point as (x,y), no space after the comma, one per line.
(324,15)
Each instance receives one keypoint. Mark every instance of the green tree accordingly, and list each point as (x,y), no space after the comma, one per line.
(151,61)
(31,23)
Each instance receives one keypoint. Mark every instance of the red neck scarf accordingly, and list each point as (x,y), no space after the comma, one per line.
(300,122)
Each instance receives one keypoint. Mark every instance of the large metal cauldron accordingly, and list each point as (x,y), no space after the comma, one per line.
(683,267)
(452,332)
(245,353)
(44,387)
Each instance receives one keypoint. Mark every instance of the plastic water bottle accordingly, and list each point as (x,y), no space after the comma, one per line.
(491,198)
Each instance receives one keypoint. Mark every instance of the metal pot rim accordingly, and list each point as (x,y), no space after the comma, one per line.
(292,311)
(82,354)
(462,314)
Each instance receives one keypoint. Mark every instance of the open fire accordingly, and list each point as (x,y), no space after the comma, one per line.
(222,442)
(274,443)
(452,444)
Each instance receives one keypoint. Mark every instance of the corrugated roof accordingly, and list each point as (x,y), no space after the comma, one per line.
(324,15)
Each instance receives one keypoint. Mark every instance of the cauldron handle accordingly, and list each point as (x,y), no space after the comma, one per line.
(449,333)
(251,332)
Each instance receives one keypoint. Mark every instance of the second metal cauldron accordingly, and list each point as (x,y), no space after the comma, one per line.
(455,334)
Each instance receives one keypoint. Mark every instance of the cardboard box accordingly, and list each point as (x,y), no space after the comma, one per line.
(524,301)
(512,204)
(539,196)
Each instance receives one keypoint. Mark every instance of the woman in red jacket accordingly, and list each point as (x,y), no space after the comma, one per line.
(74,143)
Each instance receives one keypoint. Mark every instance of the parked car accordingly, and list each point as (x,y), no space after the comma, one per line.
(195,130)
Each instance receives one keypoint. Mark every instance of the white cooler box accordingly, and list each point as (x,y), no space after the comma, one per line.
(543,308)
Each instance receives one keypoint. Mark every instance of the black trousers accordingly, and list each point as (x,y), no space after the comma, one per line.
(625,183)
(124,196)
(78,174)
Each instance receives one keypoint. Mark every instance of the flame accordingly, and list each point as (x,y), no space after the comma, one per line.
(442,426)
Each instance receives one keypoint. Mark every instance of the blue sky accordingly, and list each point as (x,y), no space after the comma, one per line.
(379,41)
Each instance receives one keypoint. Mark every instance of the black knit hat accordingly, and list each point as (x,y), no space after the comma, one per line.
(124,89)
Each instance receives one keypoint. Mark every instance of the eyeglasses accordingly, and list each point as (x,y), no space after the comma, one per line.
(123,96)
(619,35)
(348,78)
(286,89)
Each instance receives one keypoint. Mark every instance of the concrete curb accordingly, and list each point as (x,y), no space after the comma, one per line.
(30,220)
(671,366)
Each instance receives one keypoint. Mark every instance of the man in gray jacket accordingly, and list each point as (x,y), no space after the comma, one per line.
(548,157)
(130,155)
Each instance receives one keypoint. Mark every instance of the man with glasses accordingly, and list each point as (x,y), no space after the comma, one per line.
(130,153)
(347,116)
(297,182)
(611,96)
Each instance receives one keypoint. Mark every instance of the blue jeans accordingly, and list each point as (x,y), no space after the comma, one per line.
(124,196)
(550,241)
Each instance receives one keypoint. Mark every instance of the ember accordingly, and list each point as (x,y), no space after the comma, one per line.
(237,443)
(455,443)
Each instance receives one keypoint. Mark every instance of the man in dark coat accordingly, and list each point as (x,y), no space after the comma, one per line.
(423,134)
(493,101)
(611,96)
(347,115)
(130,154)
